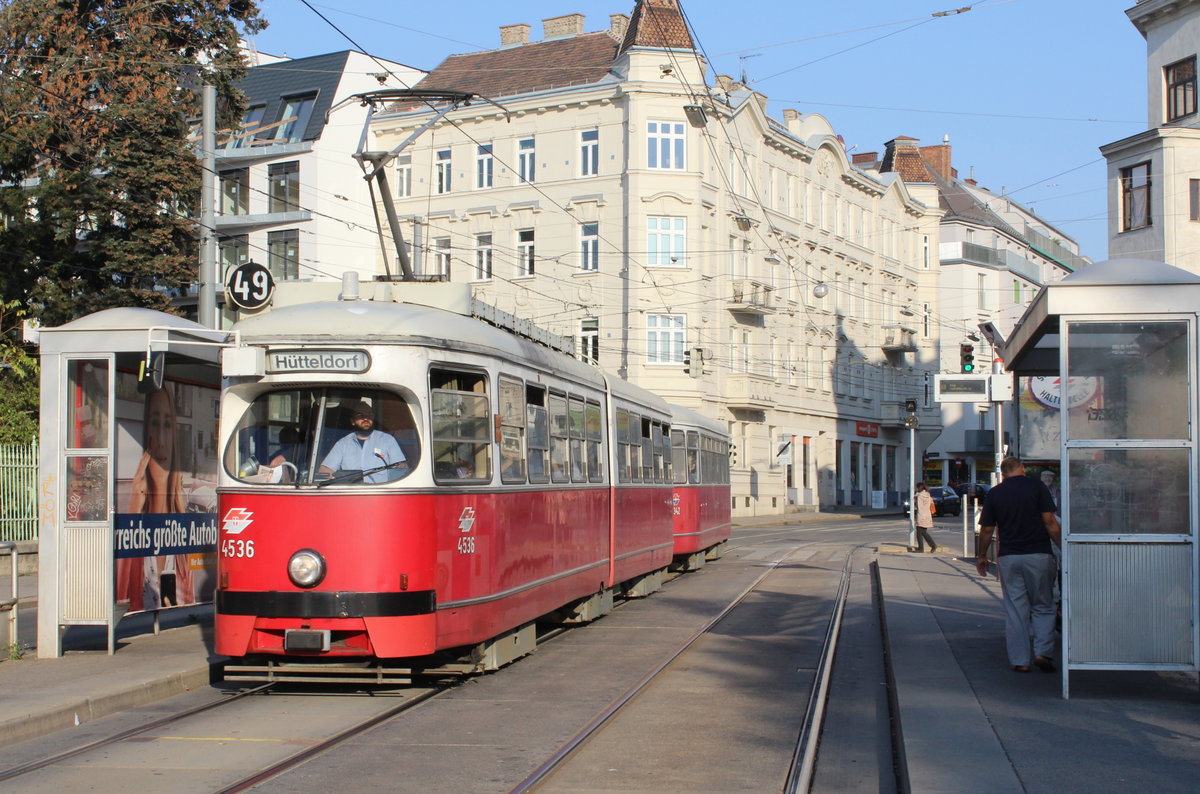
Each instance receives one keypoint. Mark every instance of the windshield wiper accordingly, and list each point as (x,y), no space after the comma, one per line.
(355,476)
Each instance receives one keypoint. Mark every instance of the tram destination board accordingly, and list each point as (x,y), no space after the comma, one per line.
(961,388)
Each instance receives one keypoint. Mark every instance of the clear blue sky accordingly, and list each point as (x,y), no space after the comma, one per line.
(1027,90)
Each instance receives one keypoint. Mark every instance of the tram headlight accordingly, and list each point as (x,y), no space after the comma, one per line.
(306,568)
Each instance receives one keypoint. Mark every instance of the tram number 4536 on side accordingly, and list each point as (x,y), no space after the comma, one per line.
(237,548)
(466,545)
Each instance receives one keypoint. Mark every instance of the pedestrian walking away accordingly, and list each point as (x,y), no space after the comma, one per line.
(1020,513)
(923,518)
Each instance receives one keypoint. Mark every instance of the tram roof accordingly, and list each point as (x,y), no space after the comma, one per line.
(686,416)
(381,322)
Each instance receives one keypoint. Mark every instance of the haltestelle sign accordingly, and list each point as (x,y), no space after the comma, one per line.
(1046,391)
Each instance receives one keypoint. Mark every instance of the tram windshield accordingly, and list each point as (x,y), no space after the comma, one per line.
(324,436)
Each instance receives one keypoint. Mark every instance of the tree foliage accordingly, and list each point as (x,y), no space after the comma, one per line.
(19,385)
(98,178)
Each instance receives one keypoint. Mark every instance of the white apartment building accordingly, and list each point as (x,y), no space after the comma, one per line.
(735,263)
(291,196)
(1154,176)
(994,255)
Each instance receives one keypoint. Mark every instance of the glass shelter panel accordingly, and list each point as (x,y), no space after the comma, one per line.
(1129,491)
(1141,374)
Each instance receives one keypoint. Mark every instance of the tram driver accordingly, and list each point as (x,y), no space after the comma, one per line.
(365,449)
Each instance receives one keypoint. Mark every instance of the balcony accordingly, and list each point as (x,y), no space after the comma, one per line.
(751,297)
(898,339)
(749,391)
(239,224)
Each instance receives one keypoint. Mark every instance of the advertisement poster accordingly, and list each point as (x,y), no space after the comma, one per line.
(165,529)
(1039,421)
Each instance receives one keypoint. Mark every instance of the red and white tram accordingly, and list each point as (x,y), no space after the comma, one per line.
(700,500)
(530,484)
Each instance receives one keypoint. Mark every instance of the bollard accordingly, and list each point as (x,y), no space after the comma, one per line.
(8,606)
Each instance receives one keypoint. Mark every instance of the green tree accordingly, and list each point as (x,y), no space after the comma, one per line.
(18,381)
(98,178)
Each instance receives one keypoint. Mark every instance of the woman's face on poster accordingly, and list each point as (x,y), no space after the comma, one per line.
(161,430)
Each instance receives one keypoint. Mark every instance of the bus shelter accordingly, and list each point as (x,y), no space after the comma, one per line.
(127,459)
(1118,341)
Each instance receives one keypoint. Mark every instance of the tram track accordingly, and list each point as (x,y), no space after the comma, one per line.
(803,762)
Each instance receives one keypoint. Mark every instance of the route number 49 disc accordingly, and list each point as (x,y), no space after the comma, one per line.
(250,286)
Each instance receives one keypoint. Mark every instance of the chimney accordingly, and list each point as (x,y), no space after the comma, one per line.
(512,35)
(790,114)
(938,158)
(562,27)
(864,157)
(618,24)
(726,83)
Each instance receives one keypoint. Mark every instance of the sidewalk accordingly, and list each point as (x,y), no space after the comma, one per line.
(971,724)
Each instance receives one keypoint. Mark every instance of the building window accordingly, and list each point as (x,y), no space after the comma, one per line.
(248,129)
(664,338)
(234,251)
(981,292)
(664,241)
(1181,88)
(285,187)
(526,160)
(1194,199)
(589,153)
(441,257)
(1016,290)
(483,257)
(404,176)
(589,246)
(483,165)
(235,192)
(1135,197)
(525,256)
(293,118)
(589,340)
(283,254)
(664,145)
(442,171)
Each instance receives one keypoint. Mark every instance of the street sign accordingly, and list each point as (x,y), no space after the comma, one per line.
(250,286)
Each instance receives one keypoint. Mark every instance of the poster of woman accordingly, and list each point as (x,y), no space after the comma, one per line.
(164,541)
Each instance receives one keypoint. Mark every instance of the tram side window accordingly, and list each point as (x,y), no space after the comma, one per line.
(462,427)
(677,456)
(576,421)
(663,451)
(648,450)
(634,443)
(695,474)
(622,441)
(539,434)
(559,437)
(594,430)
(512,430)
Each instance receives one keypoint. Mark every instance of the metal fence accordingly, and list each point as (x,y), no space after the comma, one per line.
(18,491)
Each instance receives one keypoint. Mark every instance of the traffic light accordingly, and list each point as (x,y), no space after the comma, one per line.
(693,361)
(966,357)
(687,361)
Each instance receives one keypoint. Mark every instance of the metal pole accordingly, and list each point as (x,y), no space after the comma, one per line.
(912,484)
(206,310)
(998,422)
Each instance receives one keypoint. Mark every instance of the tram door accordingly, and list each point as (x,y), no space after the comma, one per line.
(1129,473)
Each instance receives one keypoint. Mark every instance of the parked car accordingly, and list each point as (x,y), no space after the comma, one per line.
(976,489)
(946,501)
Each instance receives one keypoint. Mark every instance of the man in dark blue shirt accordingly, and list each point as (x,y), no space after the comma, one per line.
(1023,510)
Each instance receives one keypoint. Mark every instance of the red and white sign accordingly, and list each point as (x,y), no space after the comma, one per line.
(866,429)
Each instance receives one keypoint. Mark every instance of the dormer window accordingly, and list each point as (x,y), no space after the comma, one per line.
(1181,88)
(293,118)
